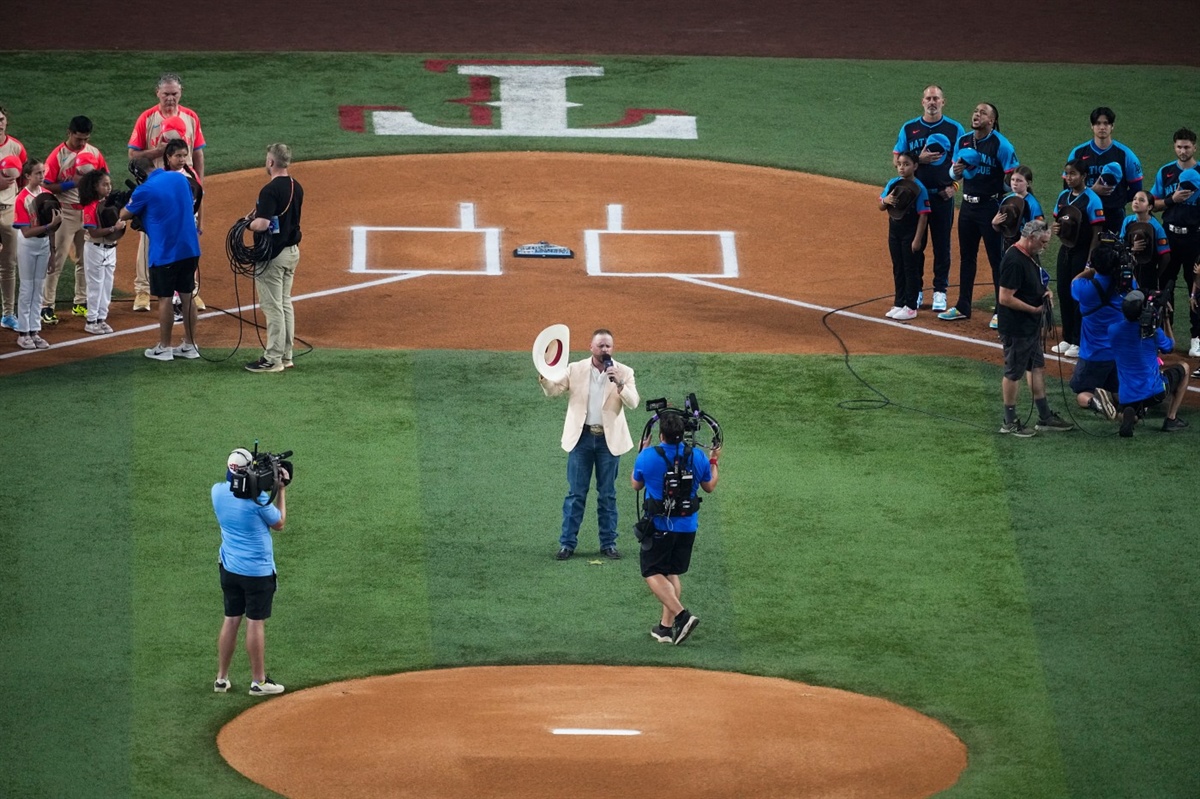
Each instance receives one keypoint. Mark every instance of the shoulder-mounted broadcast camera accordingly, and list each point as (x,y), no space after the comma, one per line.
(1112,258)
(261,475)
(692,419)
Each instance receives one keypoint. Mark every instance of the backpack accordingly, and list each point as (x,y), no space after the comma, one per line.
(678,487)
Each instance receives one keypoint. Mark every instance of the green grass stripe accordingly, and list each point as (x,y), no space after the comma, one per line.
(66,576)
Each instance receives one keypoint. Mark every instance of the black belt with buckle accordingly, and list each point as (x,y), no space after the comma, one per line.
(4,207)
(1180,231)
(102,245)
(972,198)
(594,429)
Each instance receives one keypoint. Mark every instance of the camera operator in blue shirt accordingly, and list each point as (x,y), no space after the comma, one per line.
(246,562)
(670,543)
(1098,290)
(1136,341)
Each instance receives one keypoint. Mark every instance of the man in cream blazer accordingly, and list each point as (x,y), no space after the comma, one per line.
(595,435)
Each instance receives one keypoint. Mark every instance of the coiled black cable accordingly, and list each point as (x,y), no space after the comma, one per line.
(244,260)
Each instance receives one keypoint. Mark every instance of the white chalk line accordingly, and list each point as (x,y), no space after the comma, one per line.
(682,278)
(211,314)
(592,731)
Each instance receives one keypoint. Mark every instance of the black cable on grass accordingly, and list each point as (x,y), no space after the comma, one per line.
(883,400)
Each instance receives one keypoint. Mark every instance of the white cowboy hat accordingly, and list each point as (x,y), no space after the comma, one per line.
(552,351)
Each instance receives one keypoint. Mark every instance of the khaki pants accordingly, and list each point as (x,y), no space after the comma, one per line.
(8,262)
(70,231)
(274,286)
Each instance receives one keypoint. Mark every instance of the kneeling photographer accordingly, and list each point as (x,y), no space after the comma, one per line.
(1100,289)
(671,473)
(249,504)
(1137,339)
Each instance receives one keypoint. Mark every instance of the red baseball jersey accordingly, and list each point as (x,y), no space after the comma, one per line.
(150,126)
(61,167)
(14,148)
(24,214)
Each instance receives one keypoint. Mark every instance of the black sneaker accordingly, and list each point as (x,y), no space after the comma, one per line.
(682,627)
(1017,429)
(1172,425)
(611,553)
(564,553)
(1053,423)
(1128,420)
(263,365)
(661,634)
(48,316)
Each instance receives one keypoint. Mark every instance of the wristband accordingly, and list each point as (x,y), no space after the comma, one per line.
(712,461)
(1169,200)
(66,185)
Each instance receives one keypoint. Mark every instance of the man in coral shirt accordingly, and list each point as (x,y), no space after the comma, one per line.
(154,128)
(67,163)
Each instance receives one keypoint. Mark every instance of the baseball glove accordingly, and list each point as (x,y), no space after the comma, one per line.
(44,206)
(1013,209)
(905,191)
(1144,232)
(1071,225)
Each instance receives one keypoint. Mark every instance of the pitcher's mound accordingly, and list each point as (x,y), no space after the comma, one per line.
(548,732)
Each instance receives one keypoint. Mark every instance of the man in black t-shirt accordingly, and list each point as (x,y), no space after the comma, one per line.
(1023,301)
(277,216)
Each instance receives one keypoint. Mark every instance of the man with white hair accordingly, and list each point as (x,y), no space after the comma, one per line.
(155,127)
(1023,303)
(246,562)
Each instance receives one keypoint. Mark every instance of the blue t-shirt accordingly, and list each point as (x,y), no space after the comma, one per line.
(1138,371)
(246,546)
(164,203)
(1093,342)
(1161,245)
(650,468)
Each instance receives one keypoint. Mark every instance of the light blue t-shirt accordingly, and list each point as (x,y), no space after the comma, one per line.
(246,546)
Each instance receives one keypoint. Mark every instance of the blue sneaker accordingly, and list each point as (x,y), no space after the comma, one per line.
(920,299)
(8,322)
(952,315)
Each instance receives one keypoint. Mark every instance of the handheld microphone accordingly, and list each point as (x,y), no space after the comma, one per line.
(608,362)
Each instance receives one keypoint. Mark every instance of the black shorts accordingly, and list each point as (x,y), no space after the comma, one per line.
(1173,376)
(247,596)
(1022,355)
(669,553)
(176,276)
(1091,375)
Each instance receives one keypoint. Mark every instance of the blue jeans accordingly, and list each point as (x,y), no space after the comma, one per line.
(591,453)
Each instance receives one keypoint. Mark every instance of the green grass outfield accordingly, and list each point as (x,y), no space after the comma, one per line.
(1040,597)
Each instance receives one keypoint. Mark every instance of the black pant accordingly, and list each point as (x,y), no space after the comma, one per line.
(1185,251)
(908,267)
(1071,261)
(941,224)
(975,223)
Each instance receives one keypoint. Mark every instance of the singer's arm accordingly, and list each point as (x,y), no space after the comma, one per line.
(627,389)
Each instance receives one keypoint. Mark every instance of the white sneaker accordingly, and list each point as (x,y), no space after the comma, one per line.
(1072,351)
(895,309)
(40,342)
(95,328)
(107,327)
(1060,348)
(25,342)
(905,314)
(939,301)
(188,351)
(265,688)
(1194,352)
(158,353)
(222,686)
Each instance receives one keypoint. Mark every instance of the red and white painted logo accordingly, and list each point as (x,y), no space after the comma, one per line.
(531,100)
